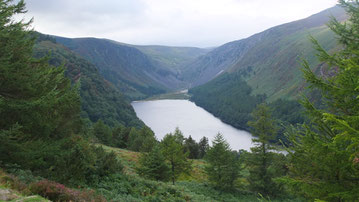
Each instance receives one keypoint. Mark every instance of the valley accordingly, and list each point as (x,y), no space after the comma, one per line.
(269,117)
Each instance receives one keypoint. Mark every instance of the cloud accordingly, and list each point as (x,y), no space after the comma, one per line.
(201,23)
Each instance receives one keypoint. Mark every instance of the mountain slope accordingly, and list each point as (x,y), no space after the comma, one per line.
(126,67)
(287,42)
(269,62)
(172,58)
(212,64)
(138,71)
(99,98)
(276,59)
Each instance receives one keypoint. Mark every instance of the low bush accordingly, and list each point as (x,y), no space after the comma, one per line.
(59,192)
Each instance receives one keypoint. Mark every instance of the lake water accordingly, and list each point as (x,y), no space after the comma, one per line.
(163,116)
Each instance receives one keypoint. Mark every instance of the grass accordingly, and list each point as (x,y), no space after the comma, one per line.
(173,96)
(192,187)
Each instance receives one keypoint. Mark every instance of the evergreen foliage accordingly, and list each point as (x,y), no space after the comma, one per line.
(192,147)
(153,165)
(99,98)
(324,157)
(223,165)
(229,97)
(173,150)
(40,125)
(203,147)
(102,132)
(141,140)
(261,161)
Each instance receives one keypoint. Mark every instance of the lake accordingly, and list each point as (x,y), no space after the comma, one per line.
(163,116)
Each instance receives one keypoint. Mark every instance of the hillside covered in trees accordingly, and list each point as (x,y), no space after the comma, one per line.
(63,137)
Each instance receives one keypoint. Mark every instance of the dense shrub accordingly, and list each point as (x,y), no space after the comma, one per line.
(59,192)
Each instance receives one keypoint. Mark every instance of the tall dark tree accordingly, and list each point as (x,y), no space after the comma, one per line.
(192,147)
(102,132)
(223,165)
(153,165)
(141,140)
(324,157)
(203,147)
(36,100)
(173,150)
(260,162)
(40,125)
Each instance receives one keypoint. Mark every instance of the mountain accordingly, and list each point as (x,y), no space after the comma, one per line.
(207,67)
(99,98)
(266,66)
(173,58)
(273,56)
(138,71)
(276,59)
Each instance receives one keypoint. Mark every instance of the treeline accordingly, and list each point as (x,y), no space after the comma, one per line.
(224,167)
(230,98)
(143,140)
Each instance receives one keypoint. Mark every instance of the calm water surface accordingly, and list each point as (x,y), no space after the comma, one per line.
(163,116)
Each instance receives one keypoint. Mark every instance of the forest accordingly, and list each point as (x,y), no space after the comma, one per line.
(59,143)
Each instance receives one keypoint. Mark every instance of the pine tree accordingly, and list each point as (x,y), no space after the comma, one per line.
(153,165)
(102,132)
(325,153)
(173,150)
(40,123)
(192,147)
(260,161)
(223,165)
(203,147)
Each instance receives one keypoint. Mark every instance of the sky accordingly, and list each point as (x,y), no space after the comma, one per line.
(199,23)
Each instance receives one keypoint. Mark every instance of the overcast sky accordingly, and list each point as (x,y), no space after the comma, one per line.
(201,23)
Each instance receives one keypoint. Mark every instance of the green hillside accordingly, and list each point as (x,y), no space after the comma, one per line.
(276,62)
(274,55)
(172,58)
(99,98)
(268,63)
(126,67)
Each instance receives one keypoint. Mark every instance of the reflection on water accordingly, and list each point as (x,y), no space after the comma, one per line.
(163,116)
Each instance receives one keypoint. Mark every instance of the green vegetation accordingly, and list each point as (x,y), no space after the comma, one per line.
(262,166)
(173,151)
(324,156)
(223,165)
(171,96)
(45,142)
(42,131)
(100,100)
(173,59)
(153,165)
(126,67)
(229,98)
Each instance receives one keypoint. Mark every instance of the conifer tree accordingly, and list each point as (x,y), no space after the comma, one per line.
(40,125)
(260,161)
(173,150)
(203,147)
(192,147)
(153,165)
(223,165)
(325,153)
